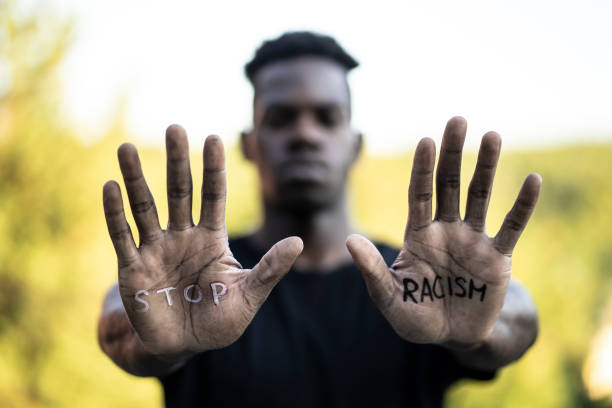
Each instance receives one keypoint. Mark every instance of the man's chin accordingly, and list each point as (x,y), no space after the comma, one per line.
(306,197)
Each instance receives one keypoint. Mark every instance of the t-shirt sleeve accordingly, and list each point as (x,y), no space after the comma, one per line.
(441,369)
(456,370)
(434,369)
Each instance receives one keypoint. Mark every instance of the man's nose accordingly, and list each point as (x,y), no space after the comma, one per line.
(307,133)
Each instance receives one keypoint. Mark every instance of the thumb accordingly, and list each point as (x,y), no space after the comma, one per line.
(373,268)
(272,267)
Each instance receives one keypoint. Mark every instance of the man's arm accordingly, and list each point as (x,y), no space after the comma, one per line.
(119,341)
(514,333)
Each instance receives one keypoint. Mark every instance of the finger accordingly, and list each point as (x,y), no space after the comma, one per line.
(448,173)
(179,182)
(118,228)
(272,267)
(479,192)
(421,189)
(373,268)
(213,187)
(517,218)
(141,199)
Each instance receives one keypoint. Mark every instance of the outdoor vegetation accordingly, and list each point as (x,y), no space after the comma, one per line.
(56,260)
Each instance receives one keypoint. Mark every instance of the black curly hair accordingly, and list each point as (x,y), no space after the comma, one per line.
(296,44)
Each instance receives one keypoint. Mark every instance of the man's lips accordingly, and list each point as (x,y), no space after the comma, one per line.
(303,170)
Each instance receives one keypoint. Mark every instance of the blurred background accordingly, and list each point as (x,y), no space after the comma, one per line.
(77,78)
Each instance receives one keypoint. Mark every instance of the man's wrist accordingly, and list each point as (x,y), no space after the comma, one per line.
(148,363)
(463,347)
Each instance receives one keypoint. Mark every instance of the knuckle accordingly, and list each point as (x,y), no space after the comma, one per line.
(477,224)
(478,192)
(213,226)
(133,178)
(417,227)
(422,173)
(423,197)
(213,195)
(125,262)
(451,180)
(447,218)
(513,224)
(214,172)
(486,166)
(265,279)
(178,192)
(119,234)
(142,206)
(452,151)
(151,236)
(113,213)
(525,205)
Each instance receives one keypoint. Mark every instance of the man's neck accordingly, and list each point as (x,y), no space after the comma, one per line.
(323,232)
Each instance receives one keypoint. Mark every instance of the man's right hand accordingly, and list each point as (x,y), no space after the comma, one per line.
(182,289)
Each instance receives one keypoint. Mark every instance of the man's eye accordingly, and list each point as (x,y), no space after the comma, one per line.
(327,117)
(280,117)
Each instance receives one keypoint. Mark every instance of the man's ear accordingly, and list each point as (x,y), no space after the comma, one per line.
(247,144)
(358,145)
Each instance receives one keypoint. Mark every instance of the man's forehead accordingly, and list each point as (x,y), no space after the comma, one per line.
(307,79)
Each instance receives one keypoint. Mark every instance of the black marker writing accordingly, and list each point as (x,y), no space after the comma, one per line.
(438,289)
(437,284)
(408,291)
(481,289)
(458,281)
(426,291)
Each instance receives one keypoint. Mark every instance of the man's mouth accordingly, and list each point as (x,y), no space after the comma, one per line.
(303,170)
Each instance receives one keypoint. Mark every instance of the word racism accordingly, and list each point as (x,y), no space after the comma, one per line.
(191,293)
(435,290)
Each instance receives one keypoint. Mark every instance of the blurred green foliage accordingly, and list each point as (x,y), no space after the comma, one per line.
(56,261)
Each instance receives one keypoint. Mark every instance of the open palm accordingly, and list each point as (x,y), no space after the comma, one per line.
(182,289)
(449,281)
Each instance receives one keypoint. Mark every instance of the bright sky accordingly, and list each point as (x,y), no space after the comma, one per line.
(538,72)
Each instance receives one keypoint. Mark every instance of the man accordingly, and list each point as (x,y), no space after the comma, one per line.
(191,308)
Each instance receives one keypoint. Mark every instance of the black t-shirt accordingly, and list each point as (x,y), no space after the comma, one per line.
(317,341)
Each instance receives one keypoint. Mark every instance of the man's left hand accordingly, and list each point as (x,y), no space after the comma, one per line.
(449,281)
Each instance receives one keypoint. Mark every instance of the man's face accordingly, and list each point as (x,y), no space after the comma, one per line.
(302,142)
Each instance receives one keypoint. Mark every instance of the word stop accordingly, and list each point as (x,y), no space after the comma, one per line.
(192,293)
